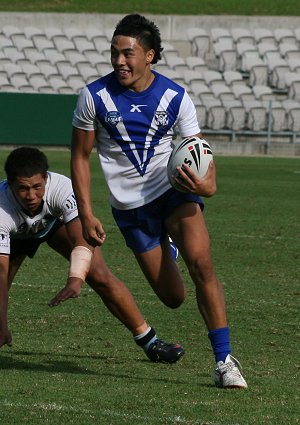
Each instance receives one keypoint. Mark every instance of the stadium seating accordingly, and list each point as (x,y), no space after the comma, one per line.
(240,79)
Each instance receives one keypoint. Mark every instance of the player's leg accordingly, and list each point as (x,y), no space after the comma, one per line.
(187,228)
(162,273)
(120,302)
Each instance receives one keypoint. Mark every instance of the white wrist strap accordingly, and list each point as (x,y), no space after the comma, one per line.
(80,262)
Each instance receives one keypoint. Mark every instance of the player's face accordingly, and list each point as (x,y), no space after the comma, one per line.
(29,192)
(131,63)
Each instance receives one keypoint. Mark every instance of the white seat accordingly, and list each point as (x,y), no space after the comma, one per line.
(13,54)
(20,82)
(294,64)
(235,114)
(284,35)
(196,63)
(277,114)
(248,58)
(222,92)
(191,75)
(226,55)
(173,75)
(66,70)
(216,114)
(297,35)
(36,57)
(30,69)
(52,32)
(262,92)
(13,69)
(242,35)
(11,30)
(233,77)
(31,31)
(292,80)
(265,47)
(93,33)
(76,84)
(22,43)
(200,41)
(40,84)
(264,35)
(54,56)
(292,109)
(95,58)
(75,33)
(169,49)
(278,67)
(59,85)
(201,90)
(75,57)
(5,41)
(242,92)
(63,44)
(212,77)
(218,33)
(258,74)
(83,45)
(43,43)
(289,51)
(48,70)
(102,47)
(256,115)
(200,110)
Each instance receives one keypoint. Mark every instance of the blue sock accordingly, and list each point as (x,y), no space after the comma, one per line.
(220,343)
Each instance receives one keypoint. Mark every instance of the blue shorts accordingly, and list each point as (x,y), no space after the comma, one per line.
(144,228)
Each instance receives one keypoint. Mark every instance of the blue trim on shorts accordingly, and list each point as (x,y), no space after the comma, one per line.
(143,228)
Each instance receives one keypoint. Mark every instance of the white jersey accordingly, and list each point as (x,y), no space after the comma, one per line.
(58,202)
(134,134)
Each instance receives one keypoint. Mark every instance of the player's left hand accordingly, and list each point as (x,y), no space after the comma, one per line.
(202,186)
(71,290)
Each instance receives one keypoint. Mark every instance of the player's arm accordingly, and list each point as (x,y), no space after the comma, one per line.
(82,145)
(190,181)
(5,336)
(80,262)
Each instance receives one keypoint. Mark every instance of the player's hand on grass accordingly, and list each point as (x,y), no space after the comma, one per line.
(5,338)
(71,290)
(203,186)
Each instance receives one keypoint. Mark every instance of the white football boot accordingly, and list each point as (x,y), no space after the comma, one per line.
(228,374)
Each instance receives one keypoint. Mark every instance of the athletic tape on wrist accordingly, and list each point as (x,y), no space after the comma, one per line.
(80,262)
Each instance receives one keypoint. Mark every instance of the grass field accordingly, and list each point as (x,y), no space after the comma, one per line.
(187,7)
(76,364)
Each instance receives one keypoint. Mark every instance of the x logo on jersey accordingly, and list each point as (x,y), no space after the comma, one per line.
(136,108)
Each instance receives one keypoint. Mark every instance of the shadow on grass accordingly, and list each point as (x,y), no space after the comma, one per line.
(65,366)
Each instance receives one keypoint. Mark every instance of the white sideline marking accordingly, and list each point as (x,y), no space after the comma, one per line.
(106,412)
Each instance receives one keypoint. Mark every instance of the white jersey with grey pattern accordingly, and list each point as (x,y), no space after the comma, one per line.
(58,202)
(134,133)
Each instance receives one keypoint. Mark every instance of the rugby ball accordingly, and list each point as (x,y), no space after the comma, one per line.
(191,151)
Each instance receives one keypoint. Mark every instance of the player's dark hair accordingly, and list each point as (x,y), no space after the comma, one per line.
(144,30)
(25,162)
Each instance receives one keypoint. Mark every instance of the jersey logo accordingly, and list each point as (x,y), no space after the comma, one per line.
(113,118)
(161,118)
(136,108)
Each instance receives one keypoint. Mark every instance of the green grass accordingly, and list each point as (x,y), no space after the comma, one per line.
(76,364)
(187,7)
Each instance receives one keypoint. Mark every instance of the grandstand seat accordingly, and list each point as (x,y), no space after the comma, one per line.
(264,47)
(242,35)
(212,77)
(5,41)
(168,49)
(297,35)
(222,91)
(53,32)
(54,56)
(14,55)
(173,75)
(201,90)
(36,57)
(196,63)
(93,33)
(277,114)
(218,33)
(284,35)
(200,41)
(21,83)
(191,76)
(233,77)
(292,80)
(242,92)
(31,32)
(14,69)
(47,69)
(177,63)
(262,92)
(215,114)
(74,34)
(294,64)
(235,114)
(63,44)
(225,54)
(277,67)
(289,51)
(84,45)
(75,57)
(22,42)
(11,30)
(256,118)
(30,70)
(292,109)
(95,58)
(264,35)
(43,43)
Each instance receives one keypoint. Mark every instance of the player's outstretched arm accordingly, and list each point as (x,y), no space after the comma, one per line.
(71,290)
